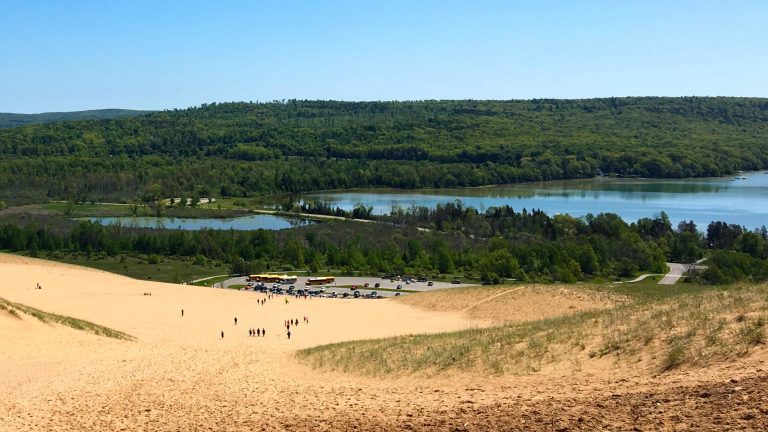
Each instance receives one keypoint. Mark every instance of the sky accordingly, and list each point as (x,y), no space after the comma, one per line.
(75,55)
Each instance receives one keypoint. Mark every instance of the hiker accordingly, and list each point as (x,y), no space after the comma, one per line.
(250,332)
(286,301)
(289,334)
(182,312)
(258,332)
(235,320)
(222,334)
(263,332)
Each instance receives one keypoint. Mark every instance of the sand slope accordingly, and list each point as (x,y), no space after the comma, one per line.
(180,375)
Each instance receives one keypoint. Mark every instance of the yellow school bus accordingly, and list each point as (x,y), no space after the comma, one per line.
(321,280)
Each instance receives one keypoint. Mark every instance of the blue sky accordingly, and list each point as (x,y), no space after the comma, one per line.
(73,55)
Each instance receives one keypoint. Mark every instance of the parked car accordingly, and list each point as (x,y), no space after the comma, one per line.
(377,285)
(430,283)
(399,287)
(456,281)
(374,294)
(397,294)
(357,294)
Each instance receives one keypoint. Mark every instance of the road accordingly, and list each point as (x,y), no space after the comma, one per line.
(675,273)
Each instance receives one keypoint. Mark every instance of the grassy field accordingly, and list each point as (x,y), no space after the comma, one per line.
(655,330)
(117,209)
(137,266)
(16,309)
(209,282)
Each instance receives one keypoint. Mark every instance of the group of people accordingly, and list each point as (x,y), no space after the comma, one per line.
(292,323)
(38,286)
(257,332)
(262,332)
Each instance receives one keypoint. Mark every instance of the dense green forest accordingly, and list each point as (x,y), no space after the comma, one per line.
(9,120)
(247,149)
(526,246)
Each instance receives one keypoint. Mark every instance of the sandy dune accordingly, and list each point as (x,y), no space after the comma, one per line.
(180,375)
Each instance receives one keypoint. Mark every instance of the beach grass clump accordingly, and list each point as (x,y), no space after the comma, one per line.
(693,329)
(78,324)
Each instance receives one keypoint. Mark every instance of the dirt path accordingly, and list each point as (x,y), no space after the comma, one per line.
(468,308)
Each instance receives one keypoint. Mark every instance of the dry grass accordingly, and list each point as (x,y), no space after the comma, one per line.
(16,309)
(694,329)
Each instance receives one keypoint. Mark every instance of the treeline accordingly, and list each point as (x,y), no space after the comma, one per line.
(9,120)
(737,253)
(525,245)
(245,149)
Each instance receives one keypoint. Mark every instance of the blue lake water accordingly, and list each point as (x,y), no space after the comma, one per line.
(741,200)
(251,222)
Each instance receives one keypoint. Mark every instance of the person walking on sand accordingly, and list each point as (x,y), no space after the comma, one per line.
(258,332)
(263,332)
(222,334)
(289,334)
(235,320)
(250,332)
(286,301)
(182,312)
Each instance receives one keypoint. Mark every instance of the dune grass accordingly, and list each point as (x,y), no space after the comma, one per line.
(693,327)
(16,309)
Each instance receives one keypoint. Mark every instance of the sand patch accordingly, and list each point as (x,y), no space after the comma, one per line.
(498,305)
(179,374)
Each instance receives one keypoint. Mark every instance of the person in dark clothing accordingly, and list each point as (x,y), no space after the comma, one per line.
(258,332)
(222,334)
(263,332)
(235,320)
(289,334)
(182,312)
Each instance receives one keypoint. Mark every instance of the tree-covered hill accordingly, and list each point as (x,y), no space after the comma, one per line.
(246,148)
(9,120)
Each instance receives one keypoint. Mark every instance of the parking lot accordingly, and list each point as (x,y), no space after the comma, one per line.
(342,284)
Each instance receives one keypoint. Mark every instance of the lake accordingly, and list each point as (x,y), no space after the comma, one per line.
(251,222)
(742,201)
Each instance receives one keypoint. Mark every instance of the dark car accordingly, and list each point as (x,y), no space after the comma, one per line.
(456,281)
(377,285)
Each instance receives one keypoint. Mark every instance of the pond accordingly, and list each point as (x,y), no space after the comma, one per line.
(741,199)
(251,222)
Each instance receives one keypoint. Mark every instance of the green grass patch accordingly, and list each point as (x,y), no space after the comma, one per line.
(17,308)
(214,280)
(145,267)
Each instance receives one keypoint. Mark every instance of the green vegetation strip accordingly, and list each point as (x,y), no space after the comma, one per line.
(690,329)
(15,308)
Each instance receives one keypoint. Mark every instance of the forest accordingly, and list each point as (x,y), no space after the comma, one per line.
(9,120)
(497,245)
(251,149)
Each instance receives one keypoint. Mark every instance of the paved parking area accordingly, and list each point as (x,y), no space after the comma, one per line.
(360,281)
